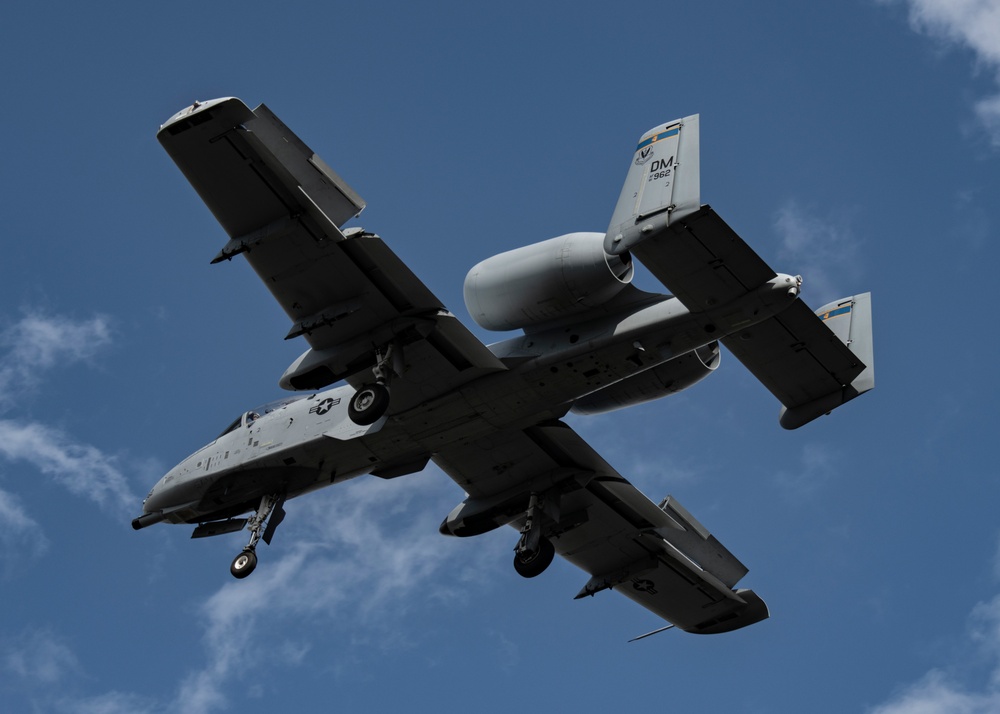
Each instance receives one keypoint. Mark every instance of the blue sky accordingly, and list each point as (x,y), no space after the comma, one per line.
(856,143)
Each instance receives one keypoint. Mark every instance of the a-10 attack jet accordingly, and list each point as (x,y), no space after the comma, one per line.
(420,387)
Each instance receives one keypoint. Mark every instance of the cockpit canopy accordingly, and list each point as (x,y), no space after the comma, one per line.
(249,417)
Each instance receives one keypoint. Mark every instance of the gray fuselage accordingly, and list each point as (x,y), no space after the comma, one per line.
(311,442)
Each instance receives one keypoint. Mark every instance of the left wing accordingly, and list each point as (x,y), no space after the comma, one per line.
(346,293)
(659,556)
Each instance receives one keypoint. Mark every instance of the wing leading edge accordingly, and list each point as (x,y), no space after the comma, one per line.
(658,556)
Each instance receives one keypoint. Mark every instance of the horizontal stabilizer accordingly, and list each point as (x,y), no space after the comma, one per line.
(663,184)
(850,319)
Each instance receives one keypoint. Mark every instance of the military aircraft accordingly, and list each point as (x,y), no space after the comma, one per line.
(420,387)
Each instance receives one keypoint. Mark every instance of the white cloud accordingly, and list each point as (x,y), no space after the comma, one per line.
(817,249)
(20,534)
(939,692)
(84,470)
(935,694)
(365,555)
(38,342)
(40,662)
(38,657)
(110,703)
(975,25)
(817,467)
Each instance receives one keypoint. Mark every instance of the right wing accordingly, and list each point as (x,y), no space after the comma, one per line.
(347,293)
(658,556)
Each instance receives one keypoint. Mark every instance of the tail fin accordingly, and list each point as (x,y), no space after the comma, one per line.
(850,319)
(664,181)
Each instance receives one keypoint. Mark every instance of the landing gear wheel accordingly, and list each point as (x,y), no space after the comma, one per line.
(535,564)
(243,564)
(368,404)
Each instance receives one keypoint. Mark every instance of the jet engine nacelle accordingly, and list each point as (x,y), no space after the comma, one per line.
(545,281)
(667,378)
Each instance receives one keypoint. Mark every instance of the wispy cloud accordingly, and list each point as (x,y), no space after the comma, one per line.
(974,25)
(816,468)
(39,662)
(937,694)
(369,554)
(37,657)
(110,703)
(38,342)
(817,248)
(83,469)
(20,534)
(35,343)
(951,690)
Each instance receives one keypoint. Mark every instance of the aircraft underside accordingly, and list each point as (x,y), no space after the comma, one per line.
(419,386)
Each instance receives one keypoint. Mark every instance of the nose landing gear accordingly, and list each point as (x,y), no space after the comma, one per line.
(269,511)
(244,563)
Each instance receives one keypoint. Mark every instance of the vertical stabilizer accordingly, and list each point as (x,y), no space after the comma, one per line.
(662,186)
(850,319)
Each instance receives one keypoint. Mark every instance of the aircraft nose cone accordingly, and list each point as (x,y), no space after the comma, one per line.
(152,507)
(153,501)
(160,495)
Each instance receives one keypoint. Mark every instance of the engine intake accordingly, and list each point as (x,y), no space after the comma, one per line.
(544,282)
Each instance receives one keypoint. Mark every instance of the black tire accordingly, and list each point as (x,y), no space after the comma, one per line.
(536,565)
(368,404)
(243,564)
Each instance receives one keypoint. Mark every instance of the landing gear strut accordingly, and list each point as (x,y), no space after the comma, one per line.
(269,511)
(533,552)
(370,403)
